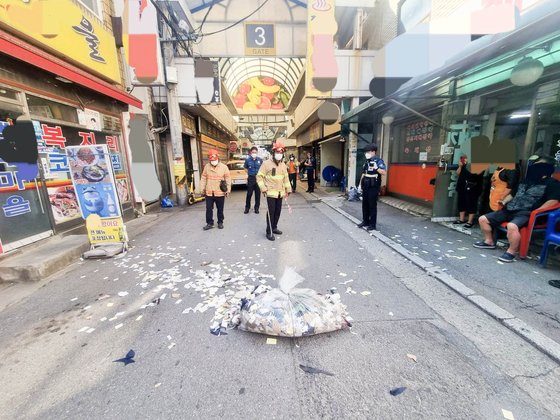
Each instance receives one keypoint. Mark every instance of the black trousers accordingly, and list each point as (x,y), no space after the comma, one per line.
(253,187)
(274,210)
(369,206)
(310,180)
(210,200)
(293,178)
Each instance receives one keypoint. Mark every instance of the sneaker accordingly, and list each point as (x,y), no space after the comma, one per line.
(459,222)
(361,225)
(507,257)
(469,225)
(270,236)
(246,211)
(256,211)
(483,245)
(370,228)
(220,225)
(277,232)
(208,227)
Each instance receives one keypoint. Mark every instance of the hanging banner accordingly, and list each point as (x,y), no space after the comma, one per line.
(93,180)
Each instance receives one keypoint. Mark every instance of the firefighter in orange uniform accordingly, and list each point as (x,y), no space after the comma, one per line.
(216,186)
(274,183)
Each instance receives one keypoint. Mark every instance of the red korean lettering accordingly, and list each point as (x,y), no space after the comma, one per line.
(88,139)
(112,142)
(52,136)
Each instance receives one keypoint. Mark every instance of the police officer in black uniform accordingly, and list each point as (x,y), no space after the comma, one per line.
(370,182)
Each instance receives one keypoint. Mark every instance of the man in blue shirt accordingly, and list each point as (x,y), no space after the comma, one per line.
(252,165)
(370,182)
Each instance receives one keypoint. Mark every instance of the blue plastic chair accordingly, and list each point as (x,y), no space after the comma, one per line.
(551,235)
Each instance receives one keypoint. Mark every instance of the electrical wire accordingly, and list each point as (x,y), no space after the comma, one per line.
(236,23)
(199,29)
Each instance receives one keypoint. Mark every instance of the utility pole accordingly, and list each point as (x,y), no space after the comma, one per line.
(174,112)
(353,138)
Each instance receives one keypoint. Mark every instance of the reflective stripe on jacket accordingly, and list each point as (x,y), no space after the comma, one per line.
(275,185)
(211,177)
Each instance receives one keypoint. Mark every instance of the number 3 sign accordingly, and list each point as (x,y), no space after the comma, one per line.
(260,39)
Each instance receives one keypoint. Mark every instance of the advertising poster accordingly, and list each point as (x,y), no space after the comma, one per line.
(64,203)
(93,181)
(103,231)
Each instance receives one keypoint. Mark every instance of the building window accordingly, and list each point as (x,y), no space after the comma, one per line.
(93,5)
(44,108)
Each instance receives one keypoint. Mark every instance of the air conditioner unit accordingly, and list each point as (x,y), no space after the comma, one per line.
(172,75)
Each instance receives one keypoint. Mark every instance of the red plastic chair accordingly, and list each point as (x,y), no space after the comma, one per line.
(537,223)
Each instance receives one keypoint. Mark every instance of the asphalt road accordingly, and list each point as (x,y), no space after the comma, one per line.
(58,346)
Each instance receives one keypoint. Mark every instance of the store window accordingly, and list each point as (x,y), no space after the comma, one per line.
(41,108)
(416,141)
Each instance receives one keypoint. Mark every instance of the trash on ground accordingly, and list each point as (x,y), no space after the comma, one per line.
(365,293)
(397,391)
(129,358)
(123,294)
(286,311)
(507,414)
(411,357)
(309,369)
(272,341)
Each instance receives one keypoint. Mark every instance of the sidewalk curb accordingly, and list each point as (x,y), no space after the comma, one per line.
(545,344)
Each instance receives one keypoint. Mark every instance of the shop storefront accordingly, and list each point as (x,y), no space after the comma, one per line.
(212,138)
(66,107)
(415,151)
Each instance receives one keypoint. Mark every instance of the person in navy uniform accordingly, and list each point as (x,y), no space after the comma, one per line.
(309,166)
(252,165)
(370,182)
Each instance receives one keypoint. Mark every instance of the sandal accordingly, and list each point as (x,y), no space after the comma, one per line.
(459,222)
(469,225)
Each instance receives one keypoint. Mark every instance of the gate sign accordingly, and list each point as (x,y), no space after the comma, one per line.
(260,39)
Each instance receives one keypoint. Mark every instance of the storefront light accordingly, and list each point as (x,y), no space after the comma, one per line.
(520,115)
(526,72)
(388,119)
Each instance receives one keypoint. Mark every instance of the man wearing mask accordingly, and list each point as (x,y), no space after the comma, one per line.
(252,165)
(292,171)
(274,183)
(309,166)
(370,182)
(215,184)
(537,191)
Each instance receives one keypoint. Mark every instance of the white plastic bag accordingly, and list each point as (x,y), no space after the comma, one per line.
(293,312)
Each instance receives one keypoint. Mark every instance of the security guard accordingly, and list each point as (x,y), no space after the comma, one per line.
(274,183)
(370,182)
(252,165)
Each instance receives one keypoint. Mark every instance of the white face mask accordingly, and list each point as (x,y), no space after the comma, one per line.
(368,155)
(253,155)
(278,156)
(214,162)
(291,158)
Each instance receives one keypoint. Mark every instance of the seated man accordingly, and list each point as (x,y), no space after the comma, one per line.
(538,191)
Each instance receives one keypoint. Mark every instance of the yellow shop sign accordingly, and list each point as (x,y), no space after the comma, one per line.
(64,28)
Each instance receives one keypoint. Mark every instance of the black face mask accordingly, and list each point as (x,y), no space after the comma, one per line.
(537,171)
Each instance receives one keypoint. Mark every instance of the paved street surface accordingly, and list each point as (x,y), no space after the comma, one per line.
(59,344)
